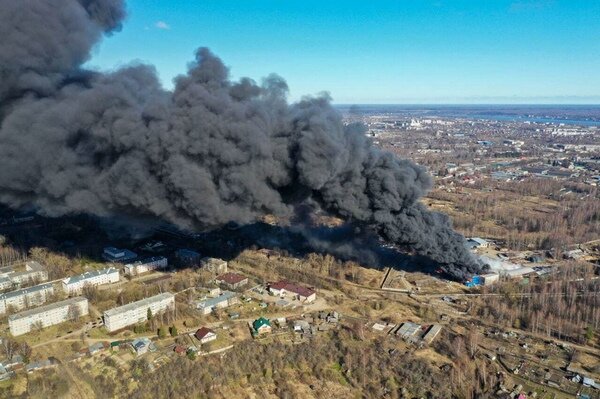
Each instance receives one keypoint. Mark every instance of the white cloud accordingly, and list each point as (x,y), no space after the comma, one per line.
(162,25)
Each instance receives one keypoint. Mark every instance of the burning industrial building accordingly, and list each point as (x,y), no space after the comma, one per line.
(210,152)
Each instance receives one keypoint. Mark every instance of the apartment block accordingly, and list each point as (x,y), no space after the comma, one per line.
(146,265)
(137,312)
(74,284)
(26,297)
(47,315)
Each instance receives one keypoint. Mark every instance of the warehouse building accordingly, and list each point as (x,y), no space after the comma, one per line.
(26,297)
(48,315)
(146,265)
(74,284)
(137,312)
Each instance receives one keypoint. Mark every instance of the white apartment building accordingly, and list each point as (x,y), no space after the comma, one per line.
(47,315)
(5,283)
(137,312)
(74,284)
(146,265)
(34,272)
(26,297)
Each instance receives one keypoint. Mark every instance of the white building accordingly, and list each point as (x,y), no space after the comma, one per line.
(146,265)
(5,283)
(490,278)
(33,273)
(74,284)
(283,287)
(477,242)
(48,315)
(113,254)
(26,297)
(226,299)
(137,312)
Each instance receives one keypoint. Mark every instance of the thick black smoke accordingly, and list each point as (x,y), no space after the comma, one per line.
(210,152)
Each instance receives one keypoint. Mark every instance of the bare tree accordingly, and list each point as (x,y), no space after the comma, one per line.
(73,313)
(9,347)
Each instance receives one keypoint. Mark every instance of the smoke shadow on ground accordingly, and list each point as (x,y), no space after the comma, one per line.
(85,236)
(346,243)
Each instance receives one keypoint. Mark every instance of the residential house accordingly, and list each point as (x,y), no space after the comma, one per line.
(261,326)
(205,335)
(283,287)
(96,348)
(142,345)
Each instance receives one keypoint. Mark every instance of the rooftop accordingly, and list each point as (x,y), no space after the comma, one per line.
(291,287)
(90,274)
(231,278)
(210,302)
(258,323)
(203,332)
(137,304)
(40,309)
(34,266)
(408,329)
(25,291)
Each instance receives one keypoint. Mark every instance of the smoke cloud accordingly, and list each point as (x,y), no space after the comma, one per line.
(210,152)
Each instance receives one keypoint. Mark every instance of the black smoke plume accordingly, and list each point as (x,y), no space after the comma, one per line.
(210,152)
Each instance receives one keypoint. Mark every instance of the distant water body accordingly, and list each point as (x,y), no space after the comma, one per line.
(576,115)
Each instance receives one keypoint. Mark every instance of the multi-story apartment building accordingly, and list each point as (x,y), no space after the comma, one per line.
(26,297)
(47,315)
(74,284)
(32,273)
(146,265)
(137,312)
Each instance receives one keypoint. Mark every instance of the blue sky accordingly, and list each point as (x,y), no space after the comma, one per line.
(378,51)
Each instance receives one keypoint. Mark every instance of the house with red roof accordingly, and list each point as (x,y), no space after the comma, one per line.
(232,280)
(205,335)
(283,288)
(180,350)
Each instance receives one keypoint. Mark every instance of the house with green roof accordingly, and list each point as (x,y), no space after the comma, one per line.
(261,326)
